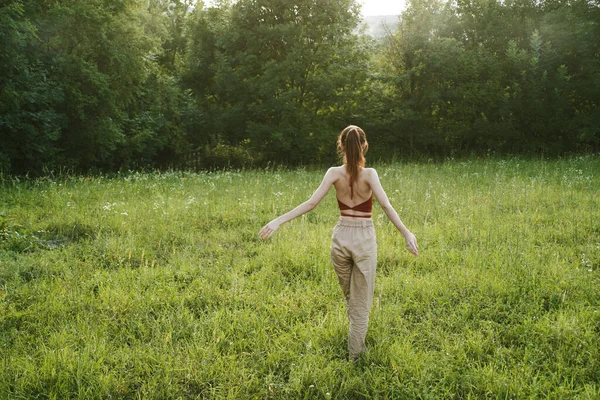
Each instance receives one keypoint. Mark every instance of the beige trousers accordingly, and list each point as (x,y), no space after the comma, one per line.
(354,257)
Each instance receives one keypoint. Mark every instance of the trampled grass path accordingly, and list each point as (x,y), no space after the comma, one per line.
(157,286)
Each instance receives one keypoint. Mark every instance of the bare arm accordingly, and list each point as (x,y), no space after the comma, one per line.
(303,208)
(381,196)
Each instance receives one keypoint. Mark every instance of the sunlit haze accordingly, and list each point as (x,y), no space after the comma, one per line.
(382,7)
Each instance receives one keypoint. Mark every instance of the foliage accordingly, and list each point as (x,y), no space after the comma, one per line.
(480,76)
(279,76)
(109,85)
(83,89)
(29,124)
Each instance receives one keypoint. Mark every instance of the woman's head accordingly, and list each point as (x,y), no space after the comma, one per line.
(352,144)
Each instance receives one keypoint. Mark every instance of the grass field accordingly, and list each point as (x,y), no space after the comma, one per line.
(157,286)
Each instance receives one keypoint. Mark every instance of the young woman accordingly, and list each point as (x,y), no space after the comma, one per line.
(353,244)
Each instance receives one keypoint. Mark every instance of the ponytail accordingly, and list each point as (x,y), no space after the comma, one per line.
(350,145)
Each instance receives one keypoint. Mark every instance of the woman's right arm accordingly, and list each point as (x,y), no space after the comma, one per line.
(384,202)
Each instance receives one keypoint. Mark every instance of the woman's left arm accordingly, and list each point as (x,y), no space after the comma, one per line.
(315,199)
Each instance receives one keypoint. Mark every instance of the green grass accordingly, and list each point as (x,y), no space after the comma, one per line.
(156,286)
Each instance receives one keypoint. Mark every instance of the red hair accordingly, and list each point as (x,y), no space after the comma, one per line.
(352,144)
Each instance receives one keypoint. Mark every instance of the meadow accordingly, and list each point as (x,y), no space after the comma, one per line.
(155,285)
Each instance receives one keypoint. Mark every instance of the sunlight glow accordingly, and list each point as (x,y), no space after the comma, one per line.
(382,7)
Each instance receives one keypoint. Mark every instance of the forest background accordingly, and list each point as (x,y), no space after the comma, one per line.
(105,85)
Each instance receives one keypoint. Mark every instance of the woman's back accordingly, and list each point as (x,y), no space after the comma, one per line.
(350,196)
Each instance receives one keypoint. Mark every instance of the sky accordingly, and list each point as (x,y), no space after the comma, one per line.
(382,7)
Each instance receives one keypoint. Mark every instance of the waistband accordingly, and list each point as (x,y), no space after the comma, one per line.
(349,221)
(356,216)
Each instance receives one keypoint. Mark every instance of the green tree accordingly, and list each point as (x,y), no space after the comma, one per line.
(484,75)
(86,86)
(276,76)
(29,123)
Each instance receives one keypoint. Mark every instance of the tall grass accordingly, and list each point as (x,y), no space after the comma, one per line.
(156,286)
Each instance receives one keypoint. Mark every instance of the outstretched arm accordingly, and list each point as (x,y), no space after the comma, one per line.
(381,196)
(303,208)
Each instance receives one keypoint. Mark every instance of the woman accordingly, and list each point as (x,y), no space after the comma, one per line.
(353,244)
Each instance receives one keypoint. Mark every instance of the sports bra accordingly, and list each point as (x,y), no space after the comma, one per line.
(366,207)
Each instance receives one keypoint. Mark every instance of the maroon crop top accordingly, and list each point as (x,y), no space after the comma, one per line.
(366,207)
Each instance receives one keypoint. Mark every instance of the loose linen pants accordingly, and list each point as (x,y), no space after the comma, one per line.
(354,257)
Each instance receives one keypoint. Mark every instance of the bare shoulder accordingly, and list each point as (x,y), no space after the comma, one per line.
(334,173)
(371,173)
(337,171)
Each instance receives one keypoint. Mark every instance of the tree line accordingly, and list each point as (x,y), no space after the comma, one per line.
(113,84)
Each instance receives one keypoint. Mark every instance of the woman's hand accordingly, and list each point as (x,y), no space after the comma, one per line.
(411,243)
(268,229)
